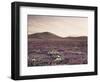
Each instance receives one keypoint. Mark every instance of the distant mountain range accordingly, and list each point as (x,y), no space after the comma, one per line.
(48,35)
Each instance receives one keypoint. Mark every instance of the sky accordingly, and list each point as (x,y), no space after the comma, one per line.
(63,26)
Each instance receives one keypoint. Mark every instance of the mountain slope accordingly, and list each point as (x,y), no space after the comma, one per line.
(44,35)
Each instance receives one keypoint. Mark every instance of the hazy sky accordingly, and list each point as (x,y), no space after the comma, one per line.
(60,25)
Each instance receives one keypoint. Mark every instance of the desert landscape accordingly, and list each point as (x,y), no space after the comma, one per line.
(57,40)
(45,49)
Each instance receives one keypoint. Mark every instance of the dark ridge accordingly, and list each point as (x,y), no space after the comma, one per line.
(48,35)
(78,38)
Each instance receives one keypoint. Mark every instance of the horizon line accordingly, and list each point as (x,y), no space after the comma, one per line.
(58,35)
